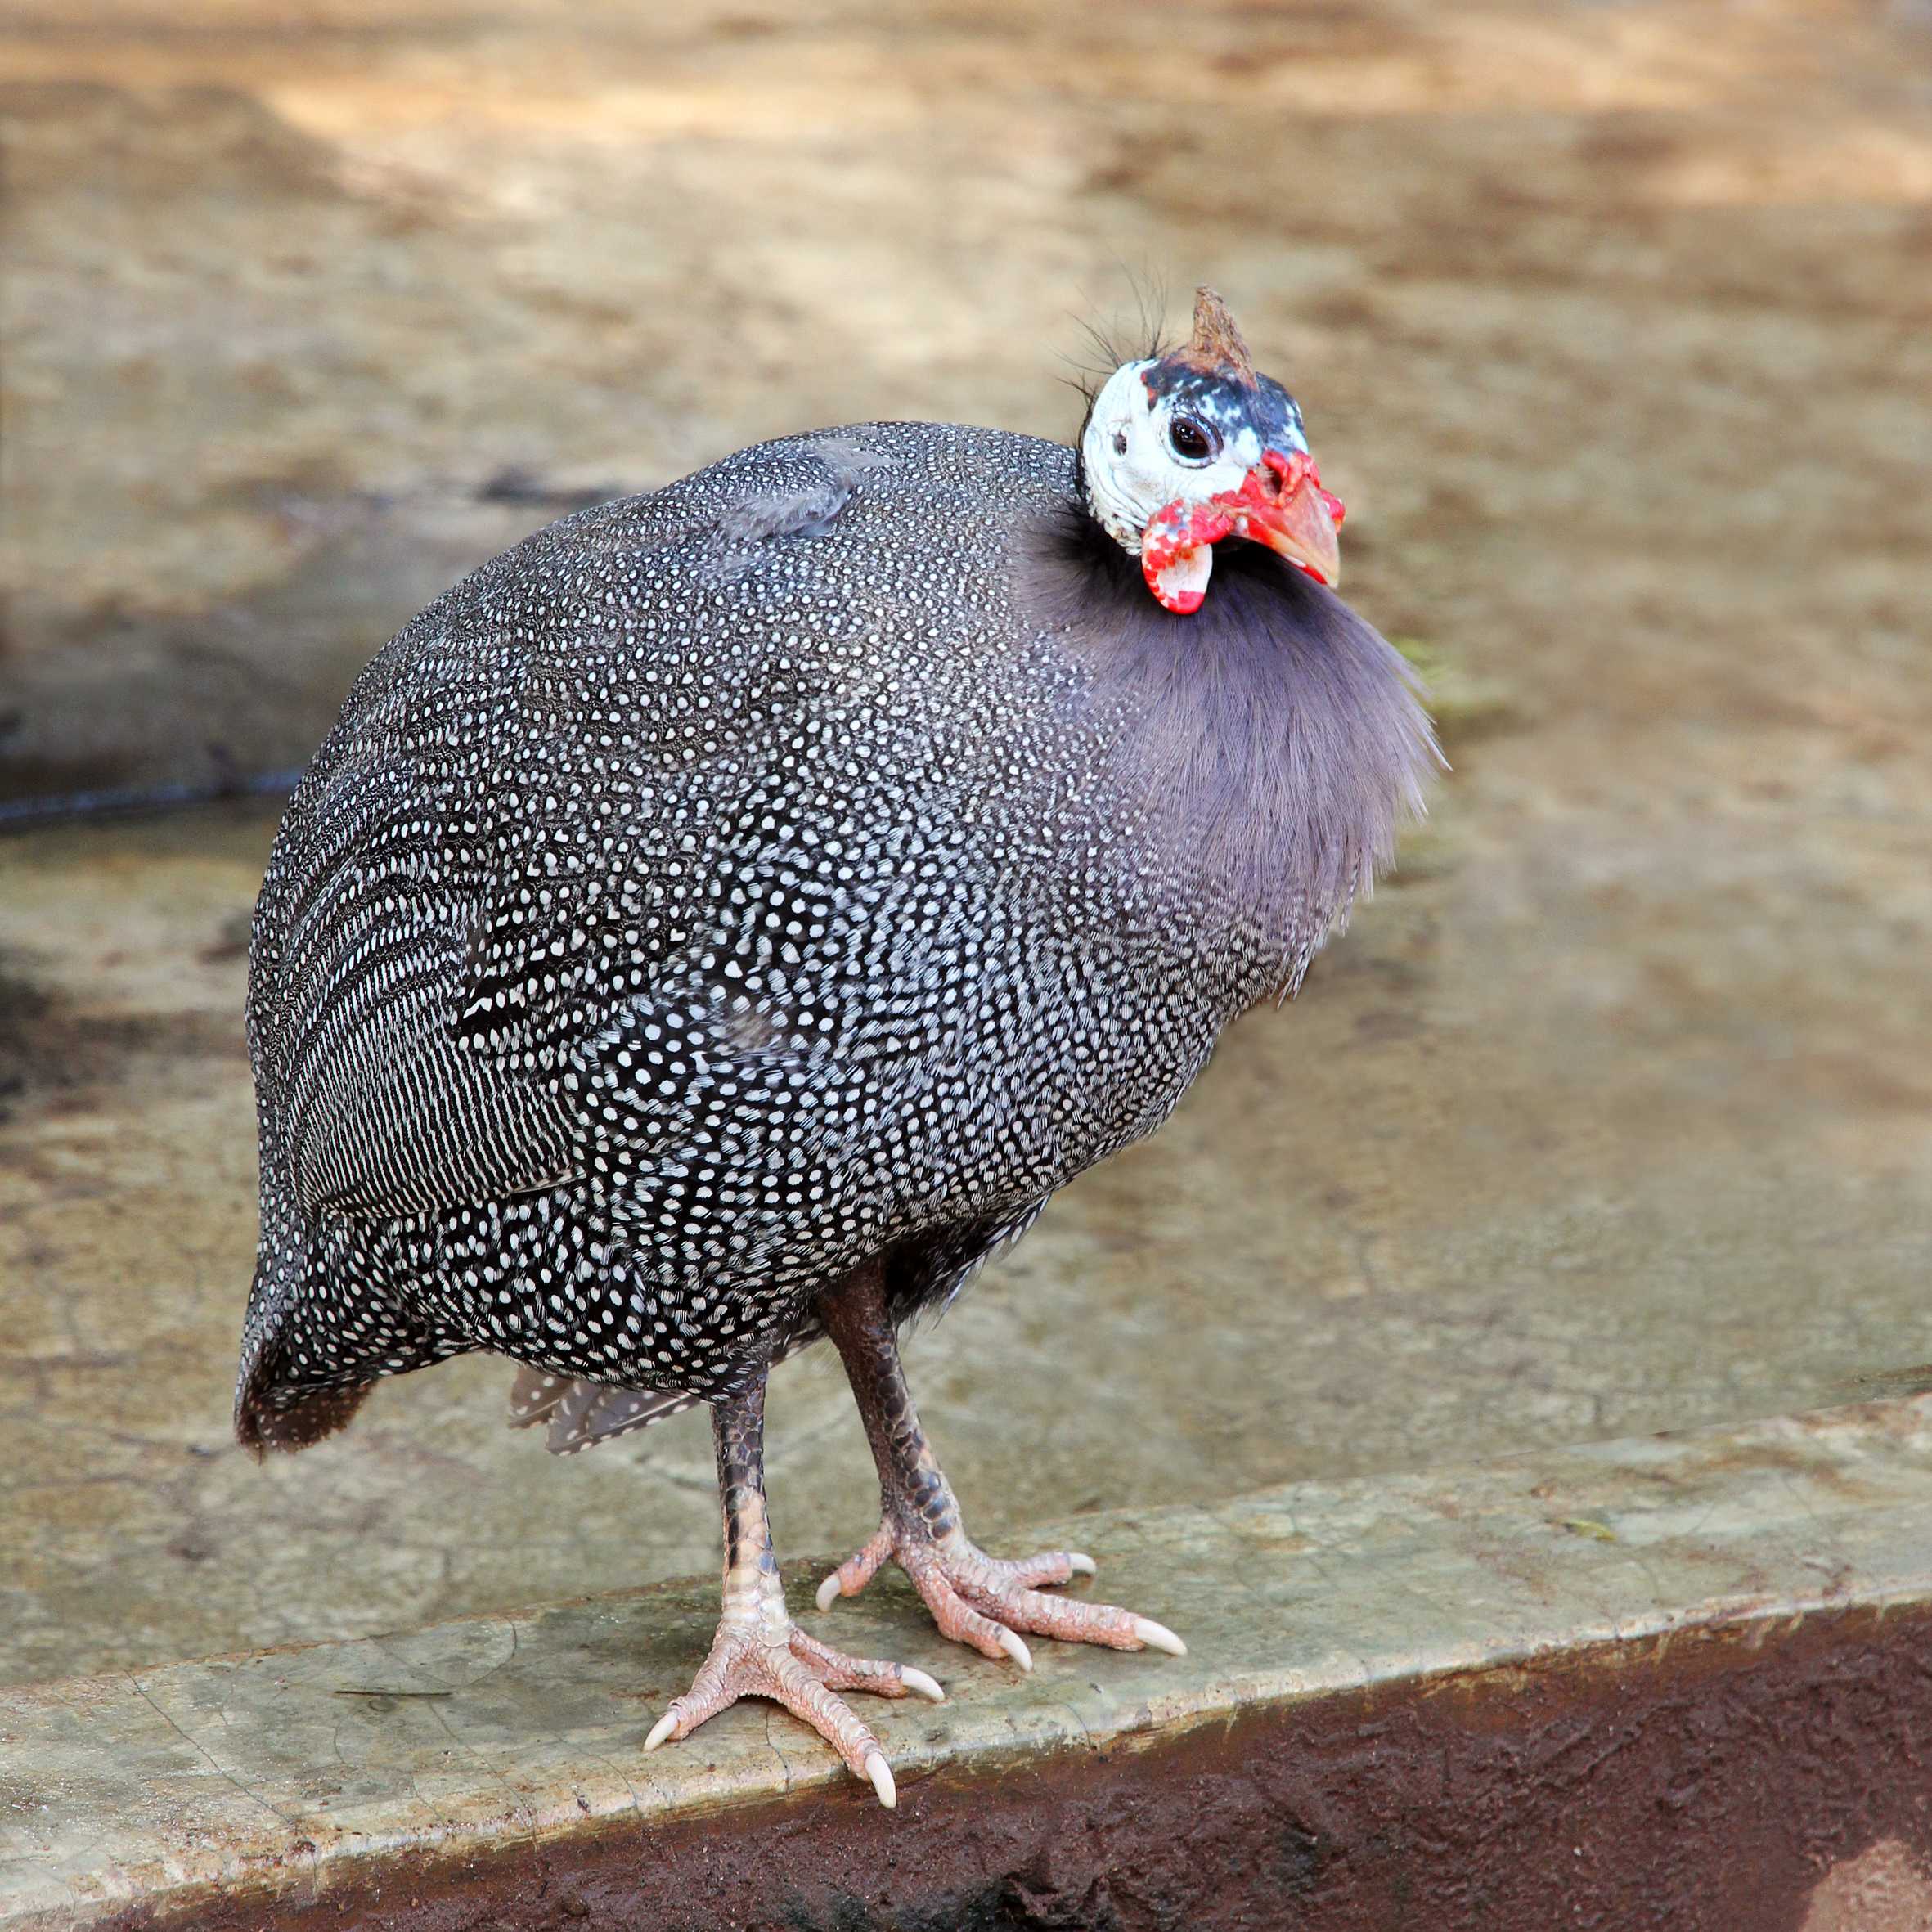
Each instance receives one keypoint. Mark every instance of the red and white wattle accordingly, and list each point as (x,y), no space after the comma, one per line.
(1177,552)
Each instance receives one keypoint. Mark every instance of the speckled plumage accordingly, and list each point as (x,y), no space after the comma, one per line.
(815,860)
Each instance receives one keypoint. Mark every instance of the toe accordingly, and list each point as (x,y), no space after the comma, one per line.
(983,1602)
(714,1687)
(1070,1618)
(829,1714)
(837,1672)
(1050,1566)
(957,1620)
(857,1570)
(805,1676)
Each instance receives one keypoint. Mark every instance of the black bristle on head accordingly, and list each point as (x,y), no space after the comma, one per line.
(1110,342)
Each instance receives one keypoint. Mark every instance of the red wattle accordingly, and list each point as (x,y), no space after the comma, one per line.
(1175,531)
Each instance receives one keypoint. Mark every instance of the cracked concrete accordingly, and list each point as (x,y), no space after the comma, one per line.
(1612,1113)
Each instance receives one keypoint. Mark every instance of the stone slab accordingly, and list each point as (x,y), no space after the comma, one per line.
(293,1777)
(1610,1113)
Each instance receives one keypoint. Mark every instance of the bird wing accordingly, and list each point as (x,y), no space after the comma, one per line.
(511,851)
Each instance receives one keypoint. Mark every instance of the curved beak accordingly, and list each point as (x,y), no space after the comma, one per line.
(1280,503)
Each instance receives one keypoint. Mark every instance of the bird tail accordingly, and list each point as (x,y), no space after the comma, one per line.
(274,1408)
(262,1425)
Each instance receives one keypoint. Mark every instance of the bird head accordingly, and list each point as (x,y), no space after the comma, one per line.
(1182,451)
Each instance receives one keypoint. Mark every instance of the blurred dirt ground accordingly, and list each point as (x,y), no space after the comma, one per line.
(1611,322)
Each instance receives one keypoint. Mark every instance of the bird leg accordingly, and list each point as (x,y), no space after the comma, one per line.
(759,1651)
(976,1599)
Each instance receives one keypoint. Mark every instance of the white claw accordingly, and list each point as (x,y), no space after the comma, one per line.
(1158,1637)
(661,1730)
(918,1680)
(1081,1566)
(881,1774)
(1009,1642)
(828,1591)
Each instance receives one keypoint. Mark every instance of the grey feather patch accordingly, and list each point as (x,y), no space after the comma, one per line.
(831,474)
(582,1413)
(1269,745)
(806,512)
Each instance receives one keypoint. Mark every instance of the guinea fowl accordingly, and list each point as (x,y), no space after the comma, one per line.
(723,919)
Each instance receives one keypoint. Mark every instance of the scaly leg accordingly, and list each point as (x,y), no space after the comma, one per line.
(976,1599)
(758,1651)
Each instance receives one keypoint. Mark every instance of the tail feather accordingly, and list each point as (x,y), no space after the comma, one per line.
(260,1425)
(272,1410)
(582,1413)
(301,1376)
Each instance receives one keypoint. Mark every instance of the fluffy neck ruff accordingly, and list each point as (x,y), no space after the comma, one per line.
(1270,745)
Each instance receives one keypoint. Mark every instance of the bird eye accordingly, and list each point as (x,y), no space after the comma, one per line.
(1187,439)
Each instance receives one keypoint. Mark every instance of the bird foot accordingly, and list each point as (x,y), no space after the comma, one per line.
(770,1657)
(985,1601)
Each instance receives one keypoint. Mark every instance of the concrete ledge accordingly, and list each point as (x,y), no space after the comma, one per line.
(1694,1661)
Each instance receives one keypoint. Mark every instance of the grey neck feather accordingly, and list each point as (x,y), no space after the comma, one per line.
(1272,743)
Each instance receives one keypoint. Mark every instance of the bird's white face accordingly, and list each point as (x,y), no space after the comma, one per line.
(1143,449)
(1177,455)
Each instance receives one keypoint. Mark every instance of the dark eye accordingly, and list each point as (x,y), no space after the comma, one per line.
(1189,440)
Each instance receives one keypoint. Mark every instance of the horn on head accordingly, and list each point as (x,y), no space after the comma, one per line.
(1216,343)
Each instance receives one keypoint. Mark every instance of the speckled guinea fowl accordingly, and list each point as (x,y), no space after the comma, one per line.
(726,917)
